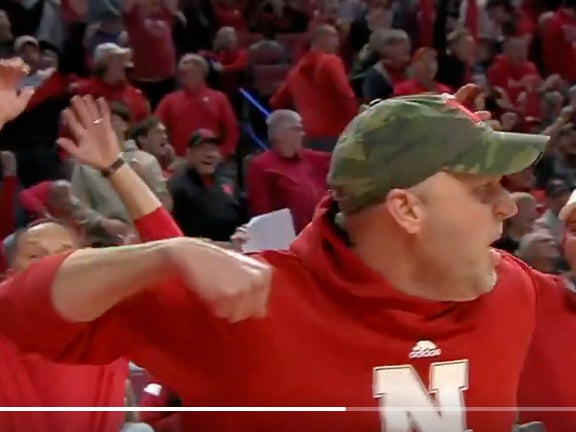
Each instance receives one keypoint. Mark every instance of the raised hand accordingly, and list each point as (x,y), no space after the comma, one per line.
(472,93)
(12,100)
(94,142)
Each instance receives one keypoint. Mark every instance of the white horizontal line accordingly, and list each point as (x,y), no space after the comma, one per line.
(282,409)
(172,409)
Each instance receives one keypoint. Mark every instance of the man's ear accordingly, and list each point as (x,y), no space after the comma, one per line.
(406,209)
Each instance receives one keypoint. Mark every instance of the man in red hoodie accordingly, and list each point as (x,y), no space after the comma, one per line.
(31,380)
(382,302)
(318,87)
(559,36)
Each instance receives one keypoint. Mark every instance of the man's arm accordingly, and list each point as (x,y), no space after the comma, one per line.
(151,218)
(129,270)
(86,306)
(47,329)
(282,98)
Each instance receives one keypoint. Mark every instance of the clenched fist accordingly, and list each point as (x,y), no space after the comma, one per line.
(234,286)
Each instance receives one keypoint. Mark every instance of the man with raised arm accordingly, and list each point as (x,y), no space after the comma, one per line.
(31,380)
(391,300)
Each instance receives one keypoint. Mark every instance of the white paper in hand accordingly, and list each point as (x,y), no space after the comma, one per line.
(270,231)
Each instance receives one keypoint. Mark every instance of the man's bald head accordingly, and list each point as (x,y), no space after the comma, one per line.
(42,238)
(325,38)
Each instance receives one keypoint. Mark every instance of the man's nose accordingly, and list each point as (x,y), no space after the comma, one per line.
(505,207)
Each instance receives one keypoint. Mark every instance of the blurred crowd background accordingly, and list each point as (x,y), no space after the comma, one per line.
(230,108)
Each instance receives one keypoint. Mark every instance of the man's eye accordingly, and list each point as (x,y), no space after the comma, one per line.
(487,191)
(485,188)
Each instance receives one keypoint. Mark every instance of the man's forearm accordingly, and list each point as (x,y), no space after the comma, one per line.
(92,281)
(136,196)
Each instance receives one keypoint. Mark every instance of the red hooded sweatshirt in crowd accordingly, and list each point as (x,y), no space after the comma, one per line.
(558,48)
(318,87)
(336,334)
(515,79)
(32,381)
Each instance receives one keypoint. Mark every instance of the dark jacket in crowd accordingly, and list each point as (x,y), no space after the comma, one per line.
(209,209)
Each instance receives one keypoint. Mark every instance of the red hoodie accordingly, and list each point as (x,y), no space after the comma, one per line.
(319,89)
(558,49)
(337,334)
(513,79)
(32,381)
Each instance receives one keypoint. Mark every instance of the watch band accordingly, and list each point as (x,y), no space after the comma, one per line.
(107,172)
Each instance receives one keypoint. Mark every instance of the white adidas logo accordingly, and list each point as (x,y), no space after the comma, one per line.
(425,348)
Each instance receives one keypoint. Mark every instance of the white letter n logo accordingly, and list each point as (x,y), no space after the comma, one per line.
(406,405)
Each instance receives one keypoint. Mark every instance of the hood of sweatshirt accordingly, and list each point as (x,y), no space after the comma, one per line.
(323,248)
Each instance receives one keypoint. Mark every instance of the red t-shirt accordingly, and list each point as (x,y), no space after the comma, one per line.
(184,111)
(153,50)
(275,182)
(337,334)
(124,92)
(512,78)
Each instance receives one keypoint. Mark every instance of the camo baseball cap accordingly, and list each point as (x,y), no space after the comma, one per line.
(400,142)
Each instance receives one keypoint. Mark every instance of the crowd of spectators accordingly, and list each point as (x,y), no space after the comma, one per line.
(188,83)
